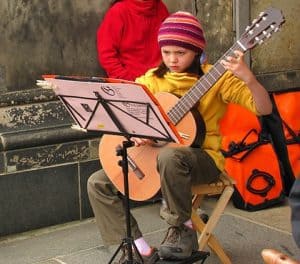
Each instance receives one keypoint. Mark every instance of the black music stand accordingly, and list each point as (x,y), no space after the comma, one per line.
(123,108)
(127,241)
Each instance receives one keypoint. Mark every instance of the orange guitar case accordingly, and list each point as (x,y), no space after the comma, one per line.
(253,164)
(250,160)
(263,154)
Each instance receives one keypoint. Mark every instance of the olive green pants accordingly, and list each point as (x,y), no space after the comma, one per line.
(179,169)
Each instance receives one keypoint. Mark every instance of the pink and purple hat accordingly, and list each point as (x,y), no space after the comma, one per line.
(182,29)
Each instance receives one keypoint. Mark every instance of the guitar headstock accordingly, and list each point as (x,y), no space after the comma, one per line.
(261,28)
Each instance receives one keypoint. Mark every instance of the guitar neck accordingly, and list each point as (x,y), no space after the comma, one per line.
(186,102)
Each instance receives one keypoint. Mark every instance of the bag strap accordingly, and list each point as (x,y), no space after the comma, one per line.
(274,126)
(241,146)
(296,138)
(269,179)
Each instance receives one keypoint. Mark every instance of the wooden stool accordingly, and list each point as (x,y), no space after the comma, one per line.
(224,187)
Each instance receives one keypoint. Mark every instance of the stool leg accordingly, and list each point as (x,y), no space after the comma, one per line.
(197,199)
(216,214)
(206,229)
(213,243)
(219,251)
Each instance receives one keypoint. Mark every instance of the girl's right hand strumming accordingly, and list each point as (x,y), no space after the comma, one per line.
(141,141)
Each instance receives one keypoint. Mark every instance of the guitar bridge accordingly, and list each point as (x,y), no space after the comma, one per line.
(135,169)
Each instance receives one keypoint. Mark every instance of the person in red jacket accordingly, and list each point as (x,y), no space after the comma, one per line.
(127,37)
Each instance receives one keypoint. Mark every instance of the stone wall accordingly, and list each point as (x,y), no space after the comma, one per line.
(44,165)
(52,36)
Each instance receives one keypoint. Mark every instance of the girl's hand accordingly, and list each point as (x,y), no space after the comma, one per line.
(140,141)
(238,67)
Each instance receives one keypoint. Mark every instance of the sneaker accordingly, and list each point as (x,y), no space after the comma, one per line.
(180,242)
(152,258)
(204,217)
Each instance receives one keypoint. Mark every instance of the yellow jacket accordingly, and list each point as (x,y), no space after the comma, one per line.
(212,105)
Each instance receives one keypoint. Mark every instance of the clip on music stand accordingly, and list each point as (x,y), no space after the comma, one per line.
(120,108)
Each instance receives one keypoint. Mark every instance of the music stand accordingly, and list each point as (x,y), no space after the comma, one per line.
(120,108)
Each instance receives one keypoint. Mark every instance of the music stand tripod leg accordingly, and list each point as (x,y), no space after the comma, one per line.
(128,241)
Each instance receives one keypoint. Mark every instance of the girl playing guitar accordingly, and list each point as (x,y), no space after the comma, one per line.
(181,40)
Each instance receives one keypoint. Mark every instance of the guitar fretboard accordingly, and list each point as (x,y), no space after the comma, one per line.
(186,102)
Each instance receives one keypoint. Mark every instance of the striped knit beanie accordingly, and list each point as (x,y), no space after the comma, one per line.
(182,29)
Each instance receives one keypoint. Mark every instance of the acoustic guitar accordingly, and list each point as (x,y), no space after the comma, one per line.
(143,178)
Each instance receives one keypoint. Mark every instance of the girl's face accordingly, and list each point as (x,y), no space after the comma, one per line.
(177,59)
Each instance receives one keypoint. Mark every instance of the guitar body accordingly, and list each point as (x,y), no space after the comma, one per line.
(144,157)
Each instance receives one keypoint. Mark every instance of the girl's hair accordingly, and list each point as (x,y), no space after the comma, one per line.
(195,68)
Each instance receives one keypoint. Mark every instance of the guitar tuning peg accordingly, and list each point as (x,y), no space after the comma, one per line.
(257,25)
(276,29)
(272,26)
(264,32)
(251,32)
(247,28)
(254,21)
(260,42)
(269,35)
(264,18)
(261,14)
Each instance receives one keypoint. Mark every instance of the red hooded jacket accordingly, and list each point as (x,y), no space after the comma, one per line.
(127,38)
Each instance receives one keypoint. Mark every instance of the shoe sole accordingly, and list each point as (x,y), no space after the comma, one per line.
(166,254)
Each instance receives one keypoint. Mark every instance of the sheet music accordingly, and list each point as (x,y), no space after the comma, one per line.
(138,112)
